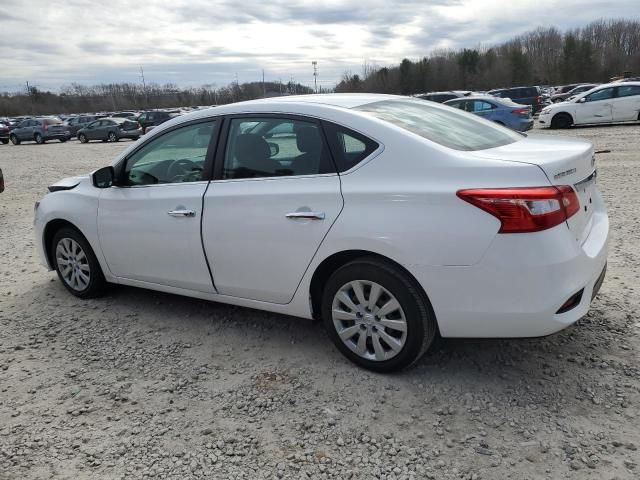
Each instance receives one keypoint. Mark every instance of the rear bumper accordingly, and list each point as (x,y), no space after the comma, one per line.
(521,283)
(137,133)
(55,136)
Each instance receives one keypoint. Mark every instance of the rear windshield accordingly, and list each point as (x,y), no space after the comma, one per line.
(52,121)
(443,125)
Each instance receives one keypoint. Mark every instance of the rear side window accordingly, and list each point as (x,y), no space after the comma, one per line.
(629,90)
(448,127)
(348,147)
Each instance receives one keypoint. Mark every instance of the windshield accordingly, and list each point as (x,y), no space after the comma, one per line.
(446,126)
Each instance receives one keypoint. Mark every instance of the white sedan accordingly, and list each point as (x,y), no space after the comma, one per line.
(610,103)
(389,218)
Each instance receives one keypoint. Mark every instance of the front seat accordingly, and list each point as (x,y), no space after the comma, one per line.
(253,157)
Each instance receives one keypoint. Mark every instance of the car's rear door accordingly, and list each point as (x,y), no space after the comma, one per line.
(149,225)
(626,105)
(274,197)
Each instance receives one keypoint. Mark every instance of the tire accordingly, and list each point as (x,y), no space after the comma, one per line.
(414,315)
(64,247)
(62,140)
(112,137)
(561,120)
(15,140)
(5,141)
(83,138)
(39,139)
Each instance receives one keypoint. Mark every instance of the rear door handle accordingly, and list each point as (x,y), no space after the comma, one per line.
(309,215)
(182,213)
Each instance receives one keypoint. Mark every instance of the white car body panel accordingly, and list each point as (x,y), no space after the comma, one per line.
(399,203)
(257,252)
(141,241)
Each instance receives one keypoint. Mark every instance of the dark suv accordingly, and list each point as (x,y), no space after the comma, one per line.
(153,119)
(522,95)
(76,123)
(40,130)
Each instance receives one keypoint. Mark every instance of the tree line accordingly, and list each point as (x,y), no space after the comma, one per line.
(77,98)
(544,56)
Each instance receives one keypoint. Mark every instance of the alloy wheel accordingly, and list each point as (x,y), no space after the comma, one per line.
(73,264)
(369,320)
(112,137)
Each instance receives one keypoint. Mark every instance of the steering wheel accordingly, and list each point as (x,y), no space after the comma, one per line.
(182,168)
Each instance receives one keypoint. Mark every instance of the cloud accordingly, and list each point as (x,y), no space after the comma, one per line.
(194,42)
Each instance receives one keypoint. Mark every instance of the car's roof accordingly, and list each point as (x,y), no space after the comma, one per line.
(345,100)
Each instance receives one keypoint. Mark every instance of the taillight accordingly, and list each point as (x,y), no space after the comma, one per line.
(139,125)
(539,99)
(521,111)
(45,125)
(525,209)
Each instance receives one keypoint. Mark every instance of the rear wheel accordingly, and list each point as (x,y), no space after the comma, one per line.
(112,137)
(377,316)
(83,138)
(5,141)
(15,140)
(76,264)
(62,140)
(39,139)
(561,120)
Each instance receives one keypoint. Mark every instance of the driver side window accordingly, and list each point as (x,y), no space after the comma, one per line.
(174,157)
(604,94)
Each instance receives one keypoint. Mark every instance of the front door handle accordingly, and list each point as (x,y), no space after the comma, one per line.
(182,213)
(309,215)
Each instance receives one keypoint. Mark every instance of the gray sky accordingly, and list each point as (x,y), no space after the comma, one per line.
(196,42)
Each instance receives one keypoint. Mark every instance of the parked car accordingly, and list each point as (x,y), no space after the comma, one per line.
(110,130)
(522,95)
(387,217)
(130,115)
(504,112)
(561,97)
(441,97)
(612,102)
(40,130)
(5,129)
(76,123)
(154,118)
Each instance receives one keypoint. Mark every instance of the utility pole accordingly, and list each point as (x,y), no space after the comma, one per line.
(144,86)
(30,97)
(315,74)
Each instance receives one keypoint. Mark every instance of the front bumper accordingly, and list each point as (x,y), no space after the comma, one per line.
(545,119)
(521,283)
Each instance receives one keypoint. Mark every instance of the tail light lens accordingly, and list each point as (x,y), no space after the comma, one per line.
(539,99)
(521,111)
(45,125)
(528,209)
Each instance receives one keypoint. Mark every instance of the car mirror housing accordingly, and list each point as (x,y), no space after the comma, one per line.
(582,100)
(103,177)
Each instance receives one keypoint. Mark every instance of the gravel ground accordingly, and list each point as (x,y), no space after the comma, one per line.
(141,384)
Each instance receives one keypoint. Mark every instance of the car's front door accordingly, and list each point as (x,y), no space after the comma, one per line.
(149,225)
(25,131)
(626,105)
(275,197)
(597,107)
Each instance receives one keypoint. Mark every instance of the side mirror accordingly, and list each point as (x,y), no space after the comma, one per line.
(582,100)
(103,177)
(275,149)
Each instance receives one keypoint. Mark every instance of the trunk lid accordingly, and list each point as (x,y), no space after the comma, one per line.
(564,162)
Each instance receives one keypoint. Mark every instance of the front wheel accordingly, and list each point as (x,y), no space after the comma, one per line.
(83,138)
(561,120)
(377,315)
(76,264)
(14,139)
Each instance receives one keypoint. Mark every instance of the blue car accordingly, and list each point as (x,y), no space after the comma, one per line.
(503,111)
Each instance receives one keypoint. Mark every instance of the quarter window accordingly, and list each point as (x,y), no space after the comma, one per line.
(481,106)
(348,147)
(275,147)
(174,157)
